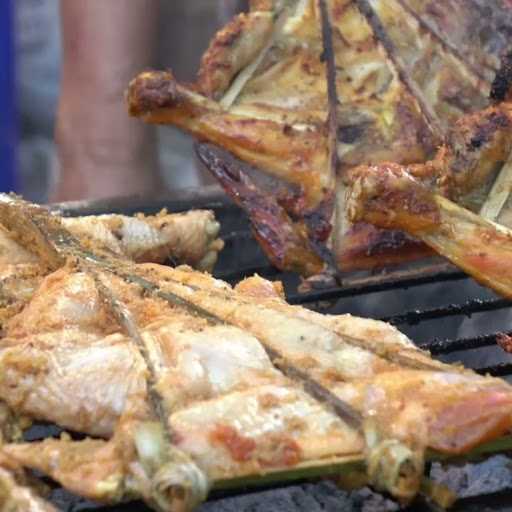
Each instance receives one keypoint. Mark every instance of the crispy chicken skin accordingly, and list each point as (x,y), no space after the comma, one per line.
(408,79)
(233,49)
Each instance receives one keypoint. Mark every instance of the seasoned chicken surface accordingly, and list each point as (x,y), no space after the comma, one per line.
(389,196)
(303,91)
(15,497)
(80,374)
(188,383)
(190,237)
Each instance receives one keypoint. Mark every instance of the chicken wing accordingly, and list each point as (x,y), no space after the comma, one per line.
(189,237)
(390,197)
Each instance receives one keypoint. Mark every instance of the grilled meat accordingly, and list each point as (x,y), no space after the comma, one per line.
(86,380)
(190,238)
(306,90)
(192,382)
(388,196)
(16,496)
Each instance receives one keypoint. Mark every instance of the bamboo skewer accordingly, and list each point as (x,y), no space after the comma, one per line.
(387,44)
(327,252)
(336,466)
(499,193)
(192,486)
(405,465)
(247,73)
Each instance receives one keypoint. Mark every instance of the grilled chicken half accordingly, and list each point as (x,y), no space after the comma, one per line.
(299,92)
(190,238)
(188,383)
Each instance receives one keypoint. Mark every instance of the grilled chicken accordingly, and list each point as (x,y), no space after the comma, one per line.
(17,497)
(303,91)
(83,376)
(192,382)
(190,238)
(388,196)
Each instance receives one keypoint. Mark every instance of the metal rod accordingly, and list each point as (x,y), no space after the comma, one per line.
(467,308)
(447,346)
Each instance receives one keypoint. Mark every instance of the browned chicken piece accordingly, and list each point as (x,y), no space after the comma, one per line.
(190,237)
(20,274)
(389,197)
(258,419)
(303,91)
(195,384)
(12,253)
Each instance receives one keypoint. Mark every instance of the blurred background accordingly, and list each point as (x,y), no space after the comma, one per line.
(30,49)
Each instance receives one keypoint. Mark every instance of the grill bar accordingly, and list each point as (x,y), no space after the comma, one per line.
(467,308)
(497,370)
(447,346)
(398,279)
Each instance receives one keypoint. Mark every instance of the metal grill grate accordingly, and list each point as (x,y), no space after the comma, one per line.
(443,296)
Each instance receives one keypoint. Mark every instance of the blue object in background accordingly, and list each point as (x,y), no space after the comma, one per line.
(8,110)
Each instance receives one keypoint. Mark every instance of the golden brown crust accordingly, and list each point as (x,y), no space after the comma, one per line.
(277,120)
(388,196)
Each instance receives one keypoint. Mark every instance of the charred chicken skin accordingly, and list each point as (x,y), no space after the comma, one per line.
(388,196)
(187,383)
(298,93)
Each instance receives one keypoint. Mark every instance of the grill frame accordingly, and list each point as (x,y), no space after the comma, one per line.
(241,258)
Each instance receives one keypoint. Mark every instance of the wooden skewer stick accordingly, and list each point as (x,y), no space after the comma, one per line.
(499,193)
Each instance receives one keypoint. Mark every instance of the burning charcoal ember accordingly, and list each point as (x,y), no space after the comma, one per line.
(322,497)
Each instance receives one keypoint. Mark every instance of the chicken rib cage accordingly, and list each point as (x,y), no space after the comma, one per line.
(298,93)
(187,384)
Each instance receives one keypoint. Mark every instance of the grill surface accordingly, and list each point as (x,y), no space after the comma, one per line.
(432,302)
